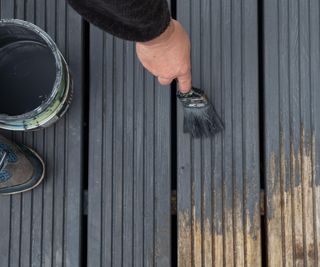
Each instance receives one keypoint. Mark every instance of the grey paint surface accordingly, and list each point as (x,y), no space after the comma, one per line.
(129,159)
(218,178)
(43,227)
(292,64)
(130,146)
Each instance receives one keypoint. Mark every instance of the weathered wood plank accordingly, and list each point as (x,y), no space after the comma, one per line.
(129,159)
(218,179)
(43,227)
(291,61)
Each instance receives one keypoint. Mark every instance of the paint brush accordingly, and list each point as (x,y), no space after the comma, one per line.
(200,117)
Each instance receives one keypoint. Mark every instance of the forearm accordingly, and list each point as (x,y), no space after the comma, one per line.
(136,20)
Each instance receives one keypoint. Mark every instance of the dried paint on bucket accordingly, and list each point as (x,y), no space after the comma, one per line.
(35,82)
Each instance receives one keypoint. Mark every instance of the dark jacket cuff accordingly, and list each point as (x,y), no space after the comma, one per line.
(135,20)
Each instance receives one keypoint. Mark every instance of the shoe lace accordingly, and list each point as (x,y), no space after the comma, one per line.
(3,156)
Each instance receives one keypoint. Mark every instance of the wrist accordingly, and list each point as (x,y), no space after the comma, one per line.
(162,38)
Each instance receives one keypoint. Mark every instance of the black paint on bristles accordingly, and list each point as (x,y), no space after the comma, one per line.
(201,122)
(200,117)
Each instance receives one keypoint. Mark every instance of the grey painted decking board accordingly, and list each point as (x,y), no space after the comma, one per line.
(218,179)
(43,227)
(292,123)
(129,159)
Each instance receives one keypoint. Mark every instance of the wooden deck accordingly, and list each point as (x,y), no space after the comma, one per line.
(126,187)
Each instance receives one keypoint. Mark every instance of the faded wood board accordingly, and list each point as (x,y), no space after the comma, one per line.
(43,227)
(218,179)
(129,159)
(292,124)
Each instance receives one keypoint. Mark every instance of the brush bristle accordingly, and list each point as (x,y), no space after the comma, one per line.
(202,122)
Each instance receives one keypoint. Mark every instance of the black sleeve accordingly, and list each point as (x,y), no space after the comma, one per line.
(136,20)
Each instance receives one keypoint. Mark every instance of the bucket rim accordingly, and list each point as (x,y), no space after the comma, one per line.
(59,66)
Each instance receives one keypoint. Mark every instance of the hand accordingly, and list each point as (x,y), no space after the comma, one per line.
(168,56)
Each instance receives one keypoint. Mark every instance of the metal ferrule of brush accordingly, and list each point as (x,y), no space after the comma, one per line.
(200,117)
(195,98)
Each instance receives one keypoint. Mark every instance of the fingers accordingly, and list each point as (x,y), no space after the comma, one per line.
(164,81)
(184,82)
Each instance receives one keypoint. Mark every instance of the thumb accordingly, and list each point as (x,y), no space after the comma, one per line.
(184,82)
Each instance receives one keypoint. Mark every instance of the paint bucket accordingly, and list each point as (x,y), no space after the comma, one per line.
(35,83)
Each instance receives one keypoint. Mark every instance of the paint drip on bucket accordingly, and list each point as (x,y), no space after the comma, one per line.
(36,86)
